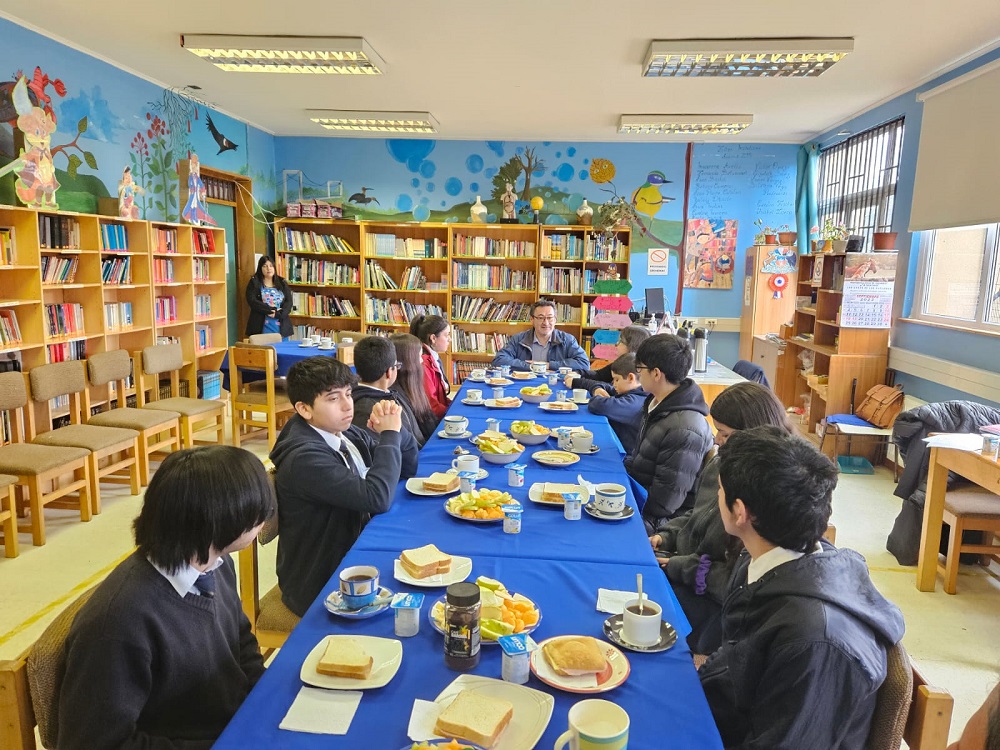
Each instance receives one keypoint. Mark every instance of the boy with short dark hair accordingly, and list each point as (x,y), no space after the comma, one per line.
(161,655)
(376,364)
(805,632)
(674,435)
(331,476)
(621,402)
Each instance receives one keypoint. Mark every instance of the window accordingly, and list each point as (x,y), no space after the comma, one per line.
(959,279)
(857,180)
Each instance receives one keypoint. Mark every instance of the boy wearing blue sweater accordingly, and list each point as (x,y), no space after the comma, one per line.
(622,402)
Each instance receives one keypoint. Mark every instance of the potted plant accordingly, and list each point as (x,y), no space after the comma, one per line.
(758,238)
(786,236)
(833,237)
(770,236)
(884,240)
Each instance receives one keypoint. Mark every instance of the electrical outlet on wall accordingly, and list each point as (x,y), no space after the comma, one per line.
(711,323)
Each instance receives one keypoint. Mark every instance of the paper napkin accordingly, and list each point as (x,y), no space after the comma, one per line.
(322,711)
(613,602)
(422,719)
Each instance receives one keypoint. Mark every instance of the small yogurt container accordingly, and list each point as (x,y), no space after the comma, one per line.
(514,667)
(407,613)
(572,506)
(512,518)
(515,475)
(467,481)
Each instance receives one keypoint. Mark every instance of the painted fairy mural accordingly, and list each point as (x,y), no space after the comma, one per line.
(194,209)
(36,183)
(127,190)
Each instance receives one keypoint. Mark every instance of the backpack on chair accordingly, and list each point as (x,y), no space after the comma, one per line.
(881,406)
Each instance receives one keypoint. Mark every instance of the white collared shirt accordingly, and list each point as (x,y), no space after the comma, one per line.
(183,580)
(334,442)
(771,559)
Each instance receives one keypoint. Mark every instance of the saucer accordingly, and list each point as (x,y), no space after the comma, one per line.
(476,380)
(331,348)
(334,604)
(584,402)
(593,449)
(461,436)
(480,402)
(613,632)
(305,345)
(627,512)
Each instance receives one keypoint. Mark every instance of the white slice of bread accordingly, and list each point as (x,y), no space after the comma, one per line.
(574,656)
(508,401)
(345,657)
(475,717)
(425,561)
(552,492)
(439,481)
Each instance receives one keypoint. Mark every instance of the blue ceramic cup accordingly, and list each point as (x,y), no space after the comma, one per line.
(359,585)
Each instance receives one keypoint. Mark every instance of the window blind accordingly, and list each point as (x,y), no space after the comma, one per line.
(958,159)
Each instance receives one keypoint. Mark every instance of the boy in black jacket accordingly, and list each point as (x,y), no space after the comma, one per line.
(376,364)
(331,476)
(804,631)
(674,436)
(621,402)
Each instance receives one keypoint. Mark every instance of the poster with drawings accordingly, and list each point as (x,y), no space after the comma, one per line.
(869,279)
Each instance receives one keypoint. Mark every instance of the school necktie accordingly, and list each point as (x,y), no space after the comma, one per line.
(205,583)
(347,456)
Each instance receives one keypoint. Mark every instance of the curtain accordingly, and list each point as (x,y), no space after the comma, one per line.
(807,166)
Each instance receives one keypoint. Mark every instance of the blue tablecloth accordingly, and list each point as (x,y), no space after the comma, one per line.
(662,694)
(289,352)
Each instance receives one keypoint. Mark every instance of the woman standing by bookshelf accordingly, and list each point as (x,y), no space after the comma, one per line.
(434,334)
(270,301)
(410,381)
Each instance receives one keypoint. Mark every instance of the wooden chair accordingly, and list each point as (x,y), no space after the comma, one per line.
(8,515)
(29,685)
(40,469)
(246,402)
(196,414)
(261,339)
(159,431)
(270,619)
(906,708)
(116,447)
(970,508)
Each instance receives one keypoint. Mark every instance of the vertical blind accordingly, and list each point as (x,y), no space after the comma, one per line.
(857,180)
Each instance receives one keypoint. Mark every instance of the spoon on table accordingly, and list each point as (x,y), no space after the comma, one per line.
(638,583)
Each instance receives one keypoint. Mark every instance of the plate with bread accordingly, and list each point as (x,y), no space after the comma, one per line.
(558,406)
(555,458)
(579,664)
(551,493)
(352,662)
(523,375)
(479,506)
(438,483)
(428,566)
(492,713)
(442,745)
(501,612)
(505,402)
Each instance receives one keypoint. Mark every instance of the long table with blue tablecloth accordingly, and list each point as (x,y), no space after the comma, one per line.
(287,354)
(558,563)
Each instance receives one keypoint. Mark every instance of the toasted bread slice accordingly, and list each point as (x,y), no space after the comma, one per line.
(508,401)
(425,561)
(552,492)
(439,481)
(474,717)
(574,656)
(345,657)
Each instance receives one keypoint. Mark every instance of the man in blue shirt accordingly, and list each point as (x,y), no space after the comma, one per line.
(543,343)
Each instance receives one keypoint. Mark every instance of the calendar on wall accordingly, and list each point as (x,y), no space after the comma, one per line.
(869,279)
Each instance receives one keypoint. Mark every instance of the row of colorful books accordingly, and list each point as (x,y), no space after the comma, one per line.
(314,242)
(8,247)
(476,342)
(488,247)
(164,240)
(58,232)
(202,270)
(204,242)
(116,270)
(559,280)
(165,309)
(57,269)
(202,305)
(114,237)
(163,271)
(562,247)
(490,278)
(391,246)
(64,319)
(70,350)
(117,315)
(202,338)
(309,271)
(377,278)
(397,311)
(488,310)
(10,332)
(322,305)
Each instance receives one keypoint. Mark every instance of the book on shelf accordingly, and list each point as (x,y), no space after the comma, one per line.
(165,309)
(202,305)
(461,368)
(202,338)
(490,278)
(377,278)
(204,242)
(396,311)
(603,249)
(321,272)
(476,342)
(165,240)
(202,269)
(488,310)
(58,269)
(390,246)
(314,242)
(488,247)
(8,246)
(413,278)
(117,316)
(324,305)
(67,351)
(163,271)
(116,270)
(562,247)
(113,237)
(64,319)
(58,232)
(560,280)
(10,332)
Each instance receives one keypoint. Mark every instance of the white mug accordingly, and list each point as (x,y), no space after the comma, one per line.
(580,394)
(539,367)
(468,462)
(475,394)
(582,442)
(564,371)
(478,374)
(595,725)
(609,498)
(455,425)
(641,629)
(326,343)
(316,338)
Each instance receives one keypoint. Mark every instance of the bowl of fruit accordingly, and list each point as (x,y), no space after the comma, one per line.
(536,394)
(529,433)
(498,449)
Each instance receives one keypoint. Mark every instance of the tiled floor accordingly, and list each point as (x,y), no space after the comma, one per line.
(952,638)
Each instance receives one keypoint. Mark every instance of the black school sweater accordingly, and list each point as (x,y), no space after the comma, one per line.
(147,668)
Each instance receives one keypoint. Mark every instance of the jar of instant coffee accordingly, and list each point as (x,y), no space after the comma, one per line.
(461,626)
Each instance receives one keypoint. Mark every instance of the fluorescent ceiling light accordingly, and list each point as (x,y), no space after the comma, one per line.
(286,54)
(375,122)
(749,58)
(683,124)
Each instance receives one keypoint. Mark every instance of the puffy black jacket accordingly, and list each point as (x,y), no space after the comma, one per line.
(668,454)
(803,655)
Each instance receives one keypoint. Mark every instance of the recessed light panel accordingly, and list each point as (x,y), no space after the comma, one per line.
(744,58)
(286,54)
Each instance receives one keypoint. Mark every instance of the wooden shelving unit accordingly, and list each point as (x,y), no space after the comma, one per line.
(840,354)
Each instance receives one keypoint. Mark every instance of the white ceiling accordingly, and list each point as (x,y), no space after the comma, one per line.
(518,70)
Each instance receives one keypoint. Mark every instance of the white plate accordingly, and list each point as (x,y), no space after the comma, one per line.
(498,382)
(435,615)
(306,346)
(461,567)
(475,520)
(616,670)
(492,404)
(416,486)
(593,449)
(386,654)
(581,403)
(476,380)
(532,708)
(521,375)
(461,436)
(558,406)
(467,402)
(555,458)
(535,495)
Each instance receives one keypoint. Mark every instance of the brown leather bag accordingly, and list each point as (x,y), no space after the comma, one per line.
(881,406)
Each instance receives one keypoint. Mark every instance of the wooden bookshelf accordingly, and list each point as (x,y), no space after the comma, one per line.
(840,354)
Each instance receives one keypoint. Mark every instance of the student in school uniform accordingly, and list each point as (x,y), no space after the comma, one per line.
(434,333)
(621,401)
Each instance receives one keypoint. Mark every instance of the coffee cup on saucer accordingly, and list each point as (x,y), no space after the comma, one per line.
(641,626)
(316,338)
(580,395)
(608,498)
(455,425)
(582,442)
(359,585)
(475,395)
(478,374)
(539,367)
(326,343)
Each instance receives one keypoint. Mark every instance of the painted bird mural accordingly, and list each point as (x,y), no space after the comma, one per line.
(224,143)
(647,198)
(363,198)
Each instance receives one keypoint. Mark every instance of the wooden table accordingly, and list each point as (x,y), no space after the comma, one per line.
(973,466)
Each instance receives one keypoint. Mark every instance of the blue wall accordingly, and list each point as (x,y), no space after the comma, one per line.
(975,350)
